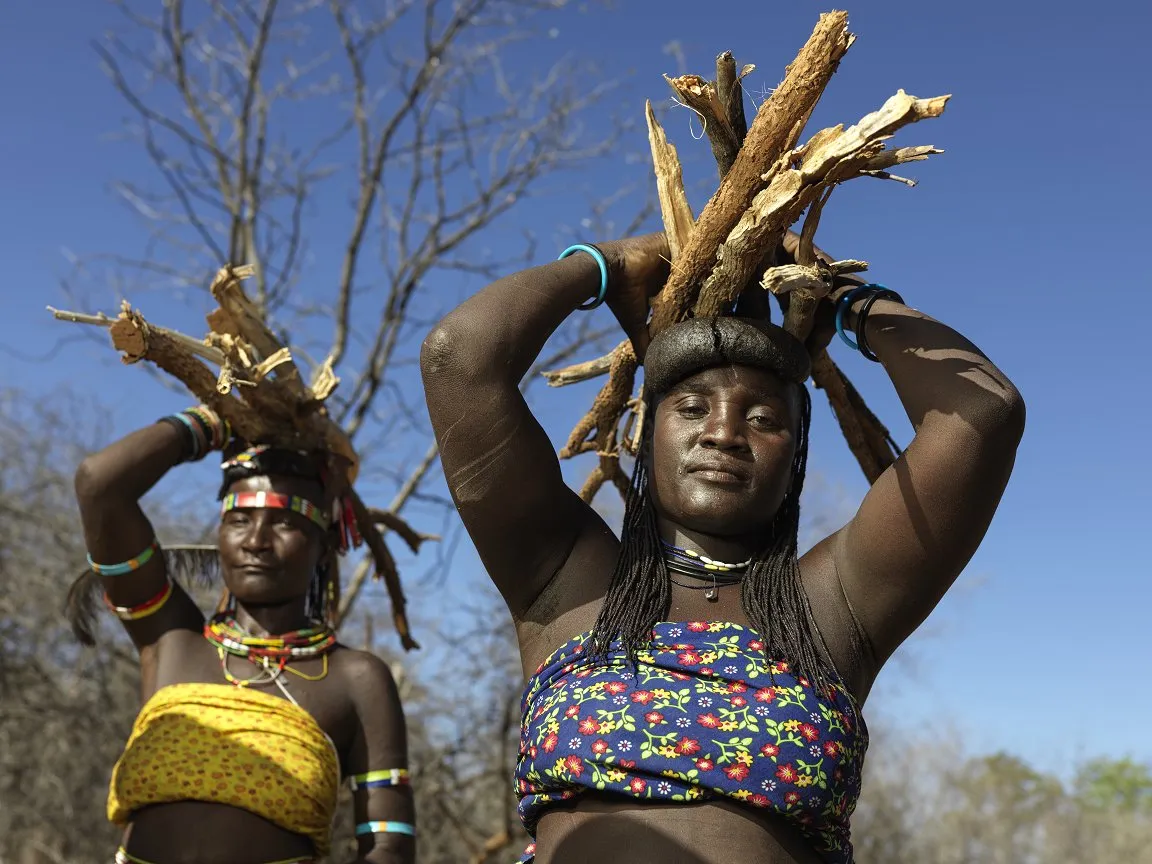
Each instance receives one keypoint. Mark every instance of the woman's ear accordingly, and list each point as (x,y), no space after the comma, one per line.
(329,549)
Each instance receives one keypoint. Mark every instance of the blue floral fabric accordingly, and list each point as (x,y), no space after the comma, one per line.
(703,714)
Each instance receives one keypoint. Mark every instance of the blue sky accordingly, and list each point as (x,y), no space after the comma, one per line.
(1025,235)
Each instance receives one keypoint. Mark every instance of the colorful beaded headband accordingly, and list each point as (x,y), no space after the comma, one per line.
(275,501)
(295,463)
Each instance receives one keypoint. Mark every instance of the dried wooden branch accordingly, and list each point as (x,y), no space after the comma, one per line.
(578,372)
(701,97)
(674,209)
(602,421)
(194,346)
(731,96)
(356,583)
(260,392)
(770,137)
(860,430)
(767,185)
(393,522)
(798,181)
(385,569)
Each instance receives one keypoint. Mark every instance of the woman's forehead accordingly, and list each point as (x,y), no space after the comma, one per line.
(759,382)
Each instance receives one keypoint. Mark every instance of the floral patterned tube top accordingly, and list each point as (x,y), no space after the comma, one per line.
(703,714)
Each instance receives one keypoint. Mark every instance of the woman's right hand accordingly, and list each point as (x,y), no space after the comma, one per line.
(638,267)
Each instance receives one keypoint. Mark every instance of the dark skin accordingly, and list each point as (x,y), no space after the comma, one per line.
(267,559)
(720,458)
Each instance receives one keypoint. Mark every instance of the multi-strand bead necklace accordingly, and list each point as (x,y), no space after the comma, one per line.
(271,653)
(715,574)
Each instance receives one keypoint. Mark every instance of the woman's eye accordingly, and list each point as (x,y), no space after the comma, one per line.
(764,421)
(236,518)
(692,409)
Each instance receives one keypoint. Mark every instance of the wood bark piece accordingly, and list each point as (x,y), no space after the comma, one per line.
(790,277)
(701,97)
(674,208)
(385,569)
(799,180)
(768,139)
(866,438)
(602,422)
(578,372)
(137,340)
(393,522)
(731,95)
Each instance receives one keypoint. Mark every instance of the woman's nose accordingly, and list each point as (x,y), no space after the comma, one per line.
(723,430)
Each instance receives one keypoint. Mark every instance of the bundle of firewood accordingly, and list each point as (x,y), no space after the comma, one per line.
(768,181)
(257,387)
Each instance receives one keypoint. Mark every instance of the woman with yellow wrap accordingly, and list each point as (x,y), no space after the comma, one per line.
(251,718)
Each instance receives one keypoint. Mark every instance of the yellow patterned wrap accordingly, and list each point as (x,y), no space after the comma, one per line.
(229,745)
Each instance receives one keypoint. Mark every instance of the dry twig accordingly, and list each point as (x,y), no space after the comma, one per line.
(259,390)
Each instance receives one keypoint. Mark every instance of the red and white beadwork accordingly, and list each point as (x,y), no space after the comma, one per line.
(276,501)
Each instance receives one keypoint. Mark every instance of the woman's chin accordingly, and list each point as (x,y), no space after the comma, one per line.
(717,521)
(250,589)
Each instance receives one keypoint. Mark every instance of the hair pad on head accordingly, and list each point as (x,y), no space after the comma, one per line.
(260,460)
(703,343)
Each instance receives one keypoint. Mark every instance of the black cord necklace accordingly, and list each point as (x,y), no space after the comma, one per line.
(715,574)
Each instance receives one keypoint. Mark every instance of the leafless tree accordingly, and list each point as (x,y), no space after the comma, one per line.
(362,156)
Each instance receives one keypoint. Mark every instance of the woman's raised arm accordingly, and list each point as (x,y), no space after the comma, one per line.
(121,542)
(925,516)
(500,467)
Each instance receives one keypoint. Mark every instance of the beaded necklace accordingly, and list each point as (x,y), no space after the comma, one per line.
(271,653)
(694,565)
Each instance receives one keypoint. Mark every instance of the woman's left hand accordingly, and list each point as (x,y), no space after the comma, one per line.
(824,321)
(638,268)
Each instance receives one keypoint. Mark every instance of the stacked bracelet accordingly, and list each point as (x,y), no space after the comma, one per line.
(601,261)
(873,291)
(205,430)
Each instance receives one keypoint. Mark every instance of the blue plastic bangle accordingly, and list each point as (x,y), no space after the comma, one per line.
(846,303)
(599,256)
(385,828)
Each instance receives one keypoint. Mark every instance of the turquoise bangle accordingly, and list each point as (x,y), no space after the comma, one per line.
(599,256)
(385,828)
(846,303)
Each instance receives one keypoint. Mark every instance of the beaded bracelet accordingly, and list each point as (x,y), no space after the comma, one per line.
(601,261)
(380,779)
(204,429)
(385,828)
(218,431)
(142,610)
(125,566)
